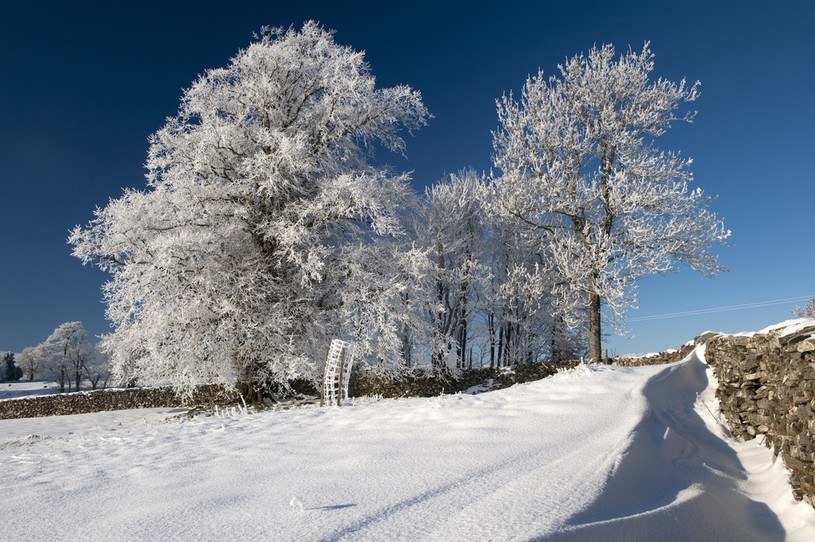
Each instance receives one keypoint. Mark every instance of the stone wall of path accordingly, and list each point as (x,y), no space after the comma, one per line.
(84,402)
(415,384)
(766,390)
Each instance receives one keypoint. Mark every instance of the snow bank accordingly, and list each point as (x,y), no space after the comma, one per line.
(788,327)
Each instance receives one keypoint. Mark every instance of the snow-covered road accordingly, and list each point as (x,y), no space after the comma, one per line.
(590,454)
(680,479)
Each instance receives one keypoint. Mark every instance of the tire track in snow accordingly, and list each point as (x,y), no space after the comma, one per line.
(482,484)
(460,505)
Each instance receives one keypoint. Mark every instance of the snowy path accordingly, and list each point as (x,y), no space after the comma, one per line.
(678,480)
(601,454)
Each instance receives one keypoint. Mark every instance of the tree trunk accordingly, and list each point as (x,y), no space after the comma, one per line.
(438,361)
(508,337)
(555,353)
(491,331)
(461,344)
(407,341)
(462,325)
(250,392)
(407,358)
(499,362)
(595,345)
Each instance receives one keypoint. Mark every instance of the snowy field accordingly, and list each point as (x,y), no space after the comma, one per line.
(590,454)
(25,388)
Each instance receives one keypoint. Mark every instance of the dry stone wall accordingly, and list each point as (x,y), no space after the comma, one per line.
(418,384)
(669,356)
(113,399)
(767,389)
(423,384)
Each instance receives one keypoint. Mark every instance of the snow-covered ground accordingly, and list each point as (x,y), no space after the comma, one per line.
(606,453)
(25,388)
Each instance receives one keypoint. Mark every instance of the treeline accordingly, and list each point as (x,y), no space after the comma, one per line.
(266,228)
(66,357)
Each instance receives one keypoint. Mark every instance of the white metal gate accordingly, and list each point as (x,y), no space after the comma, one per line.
(337,373)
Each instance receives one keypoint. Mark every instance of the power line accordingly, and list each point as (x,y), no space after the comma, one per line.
(713,310)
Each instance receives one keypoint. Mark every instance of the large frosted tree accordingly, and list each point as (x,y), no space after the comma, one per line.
(580,168)
(236,263)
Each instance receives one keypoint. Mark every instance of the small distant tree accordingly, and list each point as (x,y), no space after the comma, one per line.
(66,352)
(10,371)
(97,368)
(807,311)
(30,361)
(4,367)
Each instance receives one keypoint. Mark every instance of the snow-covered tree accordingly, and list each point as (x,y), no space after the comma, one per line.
(9,371)
(453,226)
(30,361)
(807,311)
(580,168)
(233,265)
(524,322)
(97,369)
(490,281)
(65,355)
(381,302)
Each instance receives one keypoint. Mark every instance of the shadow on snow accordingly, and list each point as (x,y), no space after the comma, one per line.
(676,480)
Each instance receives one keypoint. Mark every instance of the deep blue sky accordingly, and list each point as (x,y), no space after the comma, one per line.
(84,84)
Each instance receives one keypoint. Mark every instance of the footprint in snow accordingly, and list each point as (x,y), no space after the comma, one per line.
(296,504)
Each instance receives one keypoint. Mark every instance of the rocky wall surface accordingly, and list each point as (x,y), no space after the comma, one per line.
(417,384)
(422,384)
(113,399)
(669,356)
(767,390)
